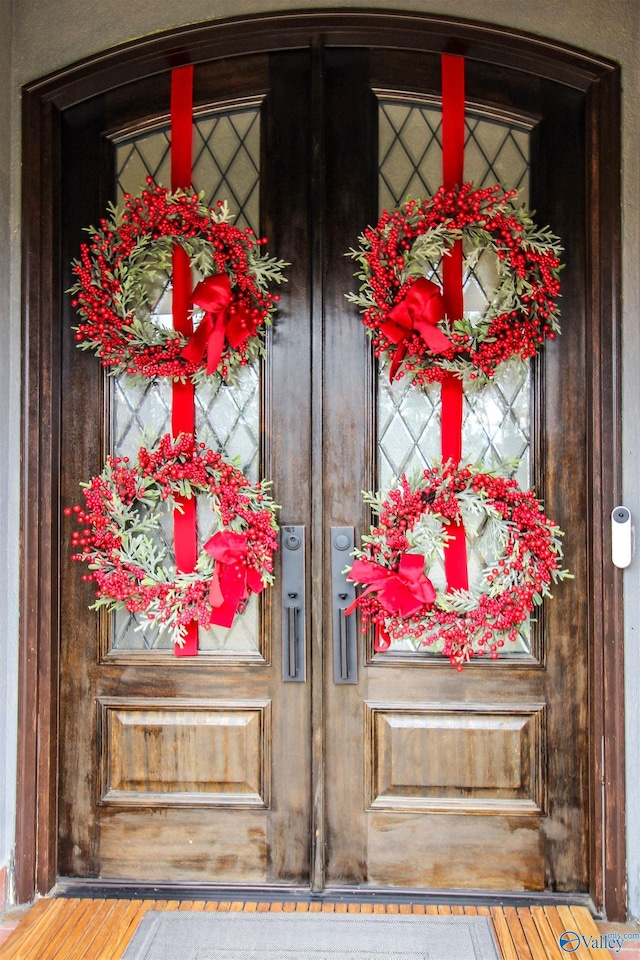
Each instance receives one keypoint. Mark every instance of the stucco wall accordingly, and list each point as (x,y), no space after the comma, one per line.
(48,34)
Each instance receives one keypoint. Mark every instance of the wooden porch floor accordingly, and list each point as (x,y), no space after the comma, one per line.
(86,929)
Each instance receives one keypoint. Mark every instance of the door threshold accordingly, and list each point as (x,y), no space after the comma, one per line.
(274,893)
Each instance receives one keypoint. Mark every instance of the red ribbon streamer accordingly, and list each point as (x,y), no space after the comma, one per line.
(420,311)
(233,577)
(181,127)
(453,135)
(183,394)
(223,321)
(381,641)
(453,130)
(451,426)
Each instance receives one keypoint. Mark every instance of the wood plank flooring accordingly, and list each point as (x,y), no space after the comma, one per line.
(84,929)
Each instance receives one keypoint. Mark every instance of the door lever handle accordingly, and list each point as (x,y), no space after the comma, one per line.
(293,642)
(345,644)
(293,614)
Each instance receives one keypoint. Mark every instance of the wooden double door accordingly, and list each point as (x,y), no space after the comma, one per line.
(222,769)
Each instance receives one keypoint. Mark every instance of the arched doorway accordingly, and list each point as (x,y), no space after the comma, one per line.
(367,783)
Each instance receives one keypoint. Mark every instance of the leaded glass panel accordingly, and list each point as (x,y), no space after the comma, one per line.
(226,167)
(496,417)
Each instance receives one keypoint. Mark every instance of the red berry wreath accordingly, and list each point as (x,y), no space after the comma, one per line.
(128,261)
(403,309)
(408,541)
(119,542)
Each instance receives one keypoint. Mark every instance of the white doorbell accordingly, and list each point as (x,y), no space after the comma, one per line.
(621,537)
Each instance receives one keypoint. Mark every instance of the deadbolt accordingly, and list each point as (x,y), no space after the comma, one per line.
(291,541)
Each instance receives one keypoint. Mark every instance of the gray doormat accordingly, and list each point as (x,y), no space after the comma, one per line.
(310,936)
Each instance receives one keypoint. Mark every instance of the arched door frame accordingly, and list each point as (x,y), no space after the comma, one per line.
(43,102)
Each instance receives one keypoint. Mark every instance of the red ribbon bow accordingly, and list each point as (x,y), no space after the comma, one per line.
(222,321)
(401,592)
(233,577)
(419,311)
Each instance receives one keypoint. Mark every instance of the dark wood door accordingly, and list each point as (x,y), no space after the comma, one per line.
(435,778)
(415,776)
(178,769)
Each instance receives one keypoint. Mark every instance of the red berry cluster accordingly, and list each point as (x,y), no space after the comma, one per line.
(123,577)
(528,257)
(116,255)
(530,563)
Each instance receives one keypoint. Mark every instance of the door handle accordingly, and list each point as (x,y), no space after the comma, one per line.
(345,642)
(293,612)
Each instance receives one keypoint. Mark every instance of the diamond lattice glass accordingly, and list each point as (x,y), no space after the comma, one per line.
(225,166)
(497,417)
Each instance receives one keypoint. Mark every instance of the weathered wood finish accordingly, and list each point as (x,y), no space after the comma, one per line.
(193,757)
(350,158)
(424,834)
(466,759)
(194,753)
(575,102)
(607,713)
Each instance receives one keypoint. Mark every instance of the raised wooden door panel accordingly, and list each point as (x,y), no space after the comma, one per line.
(478,779)
(175,769)
(168,752)
(464,758)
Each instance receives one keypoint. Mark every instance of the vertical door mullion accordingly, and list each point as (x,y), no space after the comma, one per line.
(318,556)
(287,430)
(348,427)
